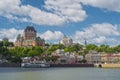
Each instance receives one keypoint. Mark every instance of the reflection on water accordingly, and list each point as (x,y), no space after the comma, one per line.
(59,74)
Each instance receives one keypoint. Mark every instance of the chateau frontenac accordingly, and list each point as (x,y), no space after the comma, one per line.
(29,38)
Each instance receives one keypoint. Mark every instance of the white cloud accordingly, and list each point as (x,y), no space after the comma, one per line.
(104,29)
(100,39)
(70,10)
(60,11)
(113,5)
(98,33)
(11,33)
(104,40)
(49,35)
(13,9)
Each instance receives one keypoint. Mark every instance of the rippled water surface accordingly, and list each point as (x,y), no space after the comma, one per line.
(59,74)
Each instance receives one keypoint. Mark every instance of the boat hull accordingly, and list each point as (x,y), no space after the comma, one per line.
(32,65)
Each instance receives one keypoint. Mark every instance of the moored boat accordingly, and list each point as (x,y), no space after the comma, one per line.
(35,65)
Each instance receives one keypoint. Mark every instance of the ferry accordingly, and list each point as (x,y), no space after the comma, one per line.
(35,65)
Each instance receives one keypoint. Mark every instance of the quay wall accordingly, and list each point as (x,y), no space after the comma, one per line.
(9,65)
(72,65)
(51,65)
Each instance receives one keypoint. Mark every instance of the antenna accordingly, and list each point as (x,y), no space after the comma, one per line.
(85,42)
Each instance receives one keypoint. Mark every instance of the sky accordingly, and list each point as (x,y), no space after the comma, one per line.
(96,21)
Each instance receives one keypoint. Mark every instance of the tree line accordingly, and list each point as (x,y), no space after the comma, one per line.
(13,54)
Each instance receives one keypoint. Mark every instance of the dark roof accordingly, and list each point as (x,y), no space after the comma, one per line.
(38,38)
(5,39)
(30,28)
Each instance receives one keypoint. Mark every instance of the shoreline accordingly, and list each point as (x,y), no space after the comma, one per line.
(109,65)
(72,65)
(9,65)
(51,65)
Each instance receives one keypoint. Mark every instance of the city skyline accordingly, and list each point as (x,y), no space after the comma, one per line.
(96,21)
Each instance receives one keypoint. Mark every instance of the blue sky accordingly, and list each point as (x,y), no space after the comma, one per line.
(97,21)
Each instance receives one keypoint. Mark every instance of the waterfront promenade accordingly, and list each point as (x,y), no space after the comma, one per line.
(109,65)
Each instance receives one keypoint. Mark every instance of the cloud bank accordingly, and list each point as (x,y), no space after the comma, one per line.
(52,35)
(98,34)
(59,12)
(112,5)
(11,33)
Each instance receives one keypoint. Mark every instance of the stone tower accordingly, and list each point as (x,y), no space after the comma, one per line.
(29,33)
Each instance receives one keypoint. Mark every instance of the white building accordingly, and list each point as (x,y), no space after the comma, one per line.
(67,57)
(66,41)
(93,57)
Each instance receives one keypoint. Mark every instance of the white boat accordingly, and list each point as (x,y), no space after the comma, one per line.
(35,65)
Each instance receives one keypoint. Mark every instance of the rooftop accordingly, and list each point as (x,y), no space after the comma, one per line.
(30,28)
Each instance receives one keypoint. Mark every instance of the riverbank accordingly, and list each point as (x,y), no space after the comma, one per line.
(51,65)
(72,65)
(68,65)
(110,65)
(9,65)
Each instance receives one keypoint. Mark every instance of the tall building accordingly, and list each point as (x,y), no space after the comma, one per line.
(5,39)
(66,41)
(29,38)
(29,33)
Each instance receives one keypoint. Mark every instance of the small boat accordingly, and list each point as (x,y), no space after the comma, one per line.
(35,65)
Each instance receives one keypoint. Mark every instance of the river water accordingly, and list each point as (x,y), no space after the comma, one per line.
(59,74)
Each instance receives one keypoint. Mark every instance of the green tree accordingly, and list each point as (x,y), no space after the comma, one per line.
(4,52)
(53,58)
(116,49)
(91,47)
(6,44)
(52,48)
(35,51)
(77,47)
(69,49)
